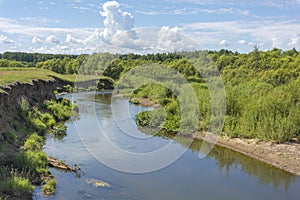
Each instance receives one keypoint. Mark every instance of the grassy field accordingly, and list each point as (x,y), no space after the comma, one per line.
(26,75)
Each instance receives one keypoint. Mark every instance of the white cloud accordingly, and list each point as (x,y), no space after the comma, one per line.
(119,34)
(270,32)
(5,40)
(93,38)
(294,41)
(52,39)
(71,39)
(170,39)
(115,20)
(57,49)
(83,8)
(196,11)
(36,40)
(242,42)
(268,3)
(224,43)
(252,44)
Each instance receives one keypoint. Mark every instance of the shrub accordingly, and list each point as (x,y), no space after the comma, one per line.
(151,119)
(14,182)
(62,110)
(34,143)
(165,101)
(38,125)
(48,120)
(59,131)
(33,162)
(50,187)
(16,185)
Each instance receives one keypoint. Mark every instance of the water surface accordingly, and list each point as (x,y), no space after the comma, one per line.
(223,174)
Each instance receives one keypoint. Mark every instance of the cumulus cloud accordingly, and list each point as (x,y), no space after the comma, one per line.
(52,39)
(242,42)
(116,20)
(170,39)
(294,41)
(5,40)
(71,39)
(224,43)
(36,40)
(276,42)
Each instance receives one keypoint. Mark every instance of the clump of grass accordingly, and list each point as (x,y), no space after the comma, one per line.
(33,162)
(61,109)
(16,185)
(13,182)
(50,187)
(34,143)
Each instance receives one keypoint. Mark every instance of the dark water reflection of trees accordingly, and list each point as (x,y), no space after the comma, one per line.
(228,160)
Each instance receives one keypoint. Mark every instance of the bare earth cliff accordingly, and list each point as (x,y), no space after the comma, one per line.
(11,122)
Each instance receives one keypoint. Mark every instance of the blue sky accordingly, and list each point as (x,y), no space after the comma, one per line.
(76,26)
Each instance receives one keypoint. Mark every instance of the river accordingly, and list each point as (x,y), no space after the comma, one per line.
(223,174)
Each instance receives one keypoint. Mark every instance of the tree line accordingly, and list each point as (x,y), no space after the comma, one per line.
(262,87)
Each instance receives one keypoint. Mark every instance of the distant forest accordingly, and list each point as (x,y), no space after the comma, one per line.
(262,87)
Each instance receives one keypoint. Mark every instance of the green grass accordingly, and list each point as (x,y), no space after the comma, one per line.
(16,185)
(26,75)
(13,182)
(50,187)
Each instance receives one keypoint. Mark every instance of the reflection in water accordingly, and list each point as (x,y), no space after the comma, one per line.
(223,174)
(228,160)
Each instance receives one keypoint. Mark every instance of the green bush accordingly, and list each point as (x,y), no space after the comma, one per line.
(62,109)
(13,182)
(48,119)
(38,125)
(59,131)
(16,185)
(172,123)
(34,143)
(50,187)
(33,162)
(151,119)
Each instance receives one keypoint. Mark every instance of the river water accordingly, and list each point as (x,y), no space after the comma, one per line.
(223,174)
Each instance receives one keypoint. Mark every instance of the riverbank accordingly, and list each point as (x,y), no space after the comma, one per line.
(285,156)
(28,111)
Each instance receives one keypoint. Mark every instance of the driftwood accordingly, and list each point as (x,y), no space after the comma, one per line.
(52,162)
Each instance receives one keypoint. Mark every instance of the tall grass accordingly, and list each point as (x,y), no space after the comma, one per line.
(14,182)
